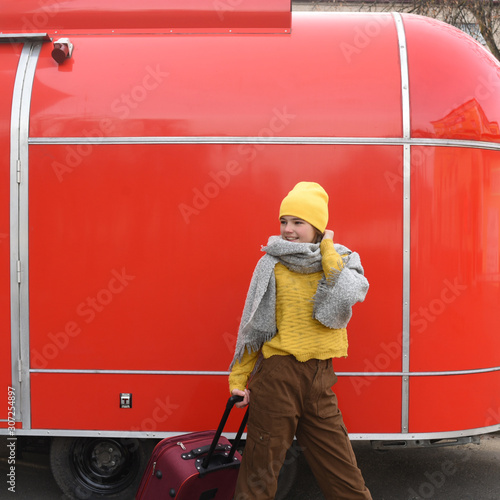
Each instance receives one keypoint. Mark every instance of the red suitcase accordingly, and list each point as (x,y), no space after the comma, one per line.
(196,466)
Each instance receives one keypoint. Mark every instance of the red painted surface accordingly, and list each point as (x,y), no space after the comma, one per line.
(181,403)
(141,254)
(204,85)
(370,404)
(455,259)
(253,16)
(176,403)
(8,64)
(451,403)
(169,278)
(440,55)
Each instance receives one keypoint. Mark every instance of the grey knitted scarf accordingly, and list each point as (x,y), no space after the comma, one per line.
(333,301)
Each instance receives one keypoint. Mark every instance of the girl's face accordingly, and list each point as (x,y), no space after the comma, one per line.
(297,230)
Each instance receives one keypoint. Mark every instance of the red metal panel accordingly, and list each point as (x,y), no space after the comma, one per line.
(159,403)
(146,16)
(455,251)
(181,403)
(9,58)
(142,255)
(439,56)
(370,404)
(319,81)
(450,403)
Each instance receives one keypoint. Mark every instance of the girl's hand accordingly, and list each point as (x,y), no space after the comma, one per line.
(246,397)
(328,235)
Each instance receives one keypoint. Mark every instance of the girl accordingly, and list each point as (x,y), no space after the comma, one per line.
(294,322)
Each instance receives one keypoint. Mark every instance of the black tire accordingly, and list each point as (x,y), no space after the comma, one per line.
(288,472)
(97,468)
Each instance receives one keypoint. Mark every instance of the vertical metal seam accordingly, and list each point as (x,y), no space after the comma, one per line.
(405,103)
(14,223)
(21,101)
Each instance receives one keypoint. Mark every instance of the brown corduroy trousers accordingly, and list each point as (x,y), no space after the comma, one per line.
(289,398)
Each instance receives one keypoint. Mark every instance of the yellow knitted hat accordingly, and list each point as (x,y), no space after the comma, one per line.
(308,201)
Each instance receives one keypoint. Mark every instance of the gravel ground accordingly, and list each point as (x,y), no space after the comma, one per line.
(463,472)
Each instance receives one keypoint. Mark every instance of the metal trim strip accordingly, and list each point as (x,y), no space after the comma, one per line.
(419,374)
(454,143)
(24,37)
(19,228)
(15,342)
(412,436)
(376,141)
(405,110)
(405,354)
(161,435)
(225,373)
(214,140)
(128,372)
(405,78)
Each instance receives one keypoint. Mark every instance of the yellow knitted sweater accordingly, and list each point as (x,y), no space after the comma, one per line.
(298,334)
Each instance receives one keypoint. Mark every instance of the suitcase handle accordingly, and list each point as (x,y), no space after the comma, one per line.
(229,406)
(198,452)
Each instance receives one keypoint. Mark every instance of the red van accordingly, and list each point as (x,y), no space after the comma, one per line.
(145,147)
